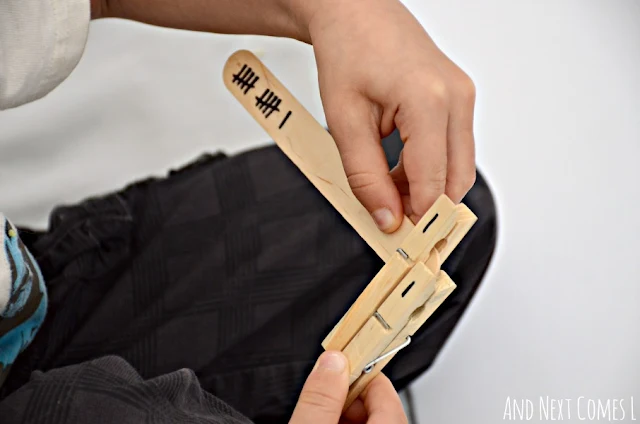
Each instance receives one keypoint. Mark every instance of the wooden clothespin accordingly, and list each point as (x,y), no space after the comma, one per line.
(411,285)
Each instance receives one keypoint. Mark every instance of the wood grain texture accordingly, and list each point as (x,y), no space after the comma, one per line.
(432,227)
(443,288)
(417,244)
(360,335)
(369,300)
(465,219)
(307,144)
(411,293)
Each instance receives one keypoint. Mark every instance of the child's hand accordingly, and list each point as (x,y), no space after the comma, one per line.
(378,69)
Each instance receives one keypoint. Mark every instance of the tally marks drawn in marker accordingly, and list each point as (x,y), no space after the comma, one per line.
(246,79)
(268,103)
(284,121)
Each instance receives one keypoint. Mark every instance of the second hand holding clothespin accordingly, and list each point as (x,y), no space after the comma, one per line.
(410,286)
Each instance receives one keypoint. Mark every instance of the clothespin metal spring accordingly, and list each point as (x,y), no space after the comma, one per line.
(402,253)
(369,367)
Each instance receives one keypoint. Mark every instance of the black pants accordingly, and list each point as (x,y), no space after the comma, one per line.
(233,268)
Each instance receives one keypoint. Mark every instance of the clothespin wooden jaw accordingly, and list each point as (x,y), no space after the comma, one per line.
(411,285)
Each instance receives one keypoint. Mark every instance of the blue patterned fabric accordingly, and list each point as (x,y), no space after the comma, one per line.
(23,296)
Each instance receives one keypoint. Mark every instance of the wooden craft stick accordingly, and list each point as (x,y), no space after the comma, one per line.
(411,286)
(309,146)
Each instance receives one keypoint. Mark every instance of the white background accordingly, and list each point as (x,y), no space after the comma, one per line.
(558,133)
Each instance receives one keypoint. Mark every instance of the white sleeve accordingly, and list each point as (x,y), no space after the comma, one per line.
(41,42)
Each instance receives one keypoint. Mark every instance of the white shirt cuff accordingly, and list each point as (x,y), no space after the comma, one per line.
(41,42)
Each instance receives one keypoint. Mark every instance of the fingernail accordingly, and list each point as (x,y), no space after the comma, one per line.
(331,361)
(384,218)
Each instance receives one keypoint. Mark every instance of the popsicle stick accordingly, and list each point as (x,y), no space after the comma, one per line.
(443,288)
(309,146)
(423,247)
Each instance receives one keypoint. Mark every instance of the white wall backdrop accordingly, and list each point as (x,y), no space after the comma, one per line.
(558,133)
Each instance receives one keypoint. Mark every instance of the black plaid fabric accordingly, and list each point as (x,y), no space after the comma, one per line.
(187,298)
